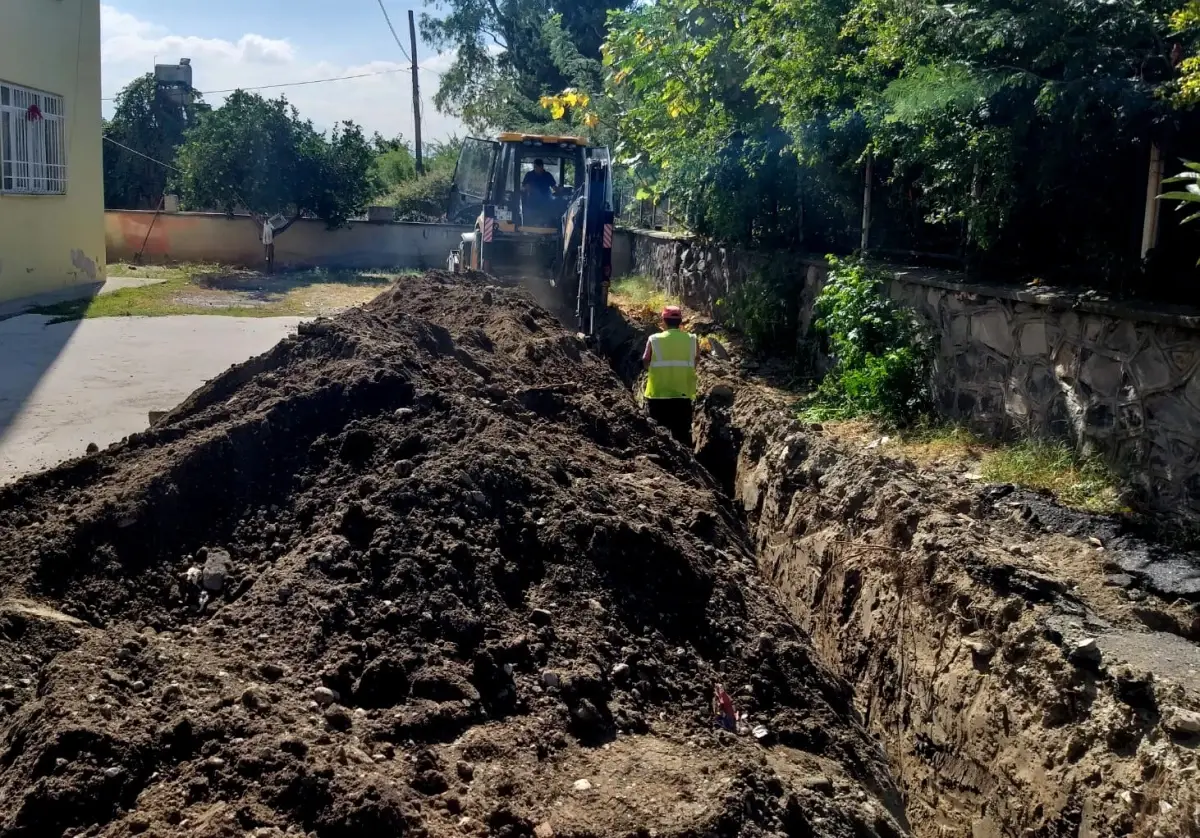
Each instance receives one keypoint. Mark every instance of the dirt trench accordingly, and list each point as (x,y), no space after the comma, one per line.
(421,569)
(1029,670)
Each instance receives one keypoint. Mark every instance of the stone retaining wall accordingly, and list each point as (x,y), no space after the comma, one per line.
(1119,380)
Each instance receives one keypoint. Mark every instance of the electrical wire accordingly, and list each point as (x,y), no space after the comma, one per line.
(139,154)
(386,17)
(293,83)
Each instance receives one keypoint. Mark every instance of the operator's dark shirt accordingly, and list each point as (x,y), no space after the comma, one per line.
(541,183)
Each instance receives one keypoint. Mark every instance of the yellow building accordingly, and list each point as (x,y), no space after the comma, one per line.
(51,175)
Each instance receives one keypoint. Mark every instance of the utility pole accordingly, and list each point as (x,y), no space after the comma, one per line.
(412,35)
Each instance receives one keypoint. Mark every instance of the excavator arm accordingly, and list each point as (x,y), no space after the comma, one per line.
(586,265)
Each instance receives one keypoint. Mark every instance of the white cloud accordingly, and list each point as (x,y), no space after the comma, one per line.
(383,103)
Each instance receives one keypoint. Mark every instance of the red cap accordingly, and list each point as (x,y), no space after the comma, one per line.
(672,313)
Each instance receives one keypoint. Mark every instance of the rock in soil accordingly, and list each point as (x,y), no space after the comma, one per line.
(372,660)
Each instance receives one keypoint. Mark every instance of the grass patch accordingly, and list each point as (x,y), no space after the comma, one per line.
(230,292)
(639,298)
(1084,483)
(1050,465)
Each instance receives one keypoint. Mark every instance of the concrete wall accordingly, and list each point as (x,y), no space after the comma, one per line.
(208,237)
(1116,379)
(51,242)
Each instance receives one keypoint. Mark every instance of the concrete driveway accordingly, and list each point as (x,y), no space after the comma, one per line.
(66,385)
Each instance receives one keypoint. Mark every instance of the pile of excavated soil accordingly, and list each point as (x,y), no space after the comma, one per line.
(1031,671)
(421,569)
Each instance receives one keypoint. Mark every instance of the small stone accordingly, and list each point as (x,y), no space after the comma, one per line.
(271,671)
(325,696)
(93,448)
(540,617)
(582,785)
(551,679)
(620,672)
(138,824)
(404,412)
(216,569)
(1181,722)
(8,690)
(1086,652)
(818,783)
(1119,580)
(722,392)
(978,646)
(113,772)
(487,298)
(543,830)
(761,732)
(173,692)
(215,763)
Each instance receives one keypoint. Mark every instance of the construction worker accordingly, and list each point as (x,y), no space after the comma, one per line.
(670,360)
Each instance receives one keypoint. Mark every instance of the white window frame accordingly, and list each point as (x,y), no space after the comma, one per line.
(33,153)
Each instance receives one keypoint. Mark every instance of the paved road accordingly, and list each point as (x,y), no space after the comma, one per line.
(66,385)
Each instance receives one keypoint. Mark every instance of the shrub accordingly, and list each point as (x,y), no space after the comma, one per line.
(880,352)
(762,310)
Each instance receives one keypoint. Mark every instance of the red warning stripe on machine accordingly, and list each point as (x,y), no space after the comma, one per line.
(608,235)
(489,227)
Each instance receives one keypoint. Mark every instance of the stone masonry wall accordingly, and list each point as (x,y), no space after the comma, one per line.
(1118,380)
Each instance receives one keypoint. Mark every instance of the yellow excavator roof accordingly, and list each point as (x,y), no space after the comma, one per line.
(516,137)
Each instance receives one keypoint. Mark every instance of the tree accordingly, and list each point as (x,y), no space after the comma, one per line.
(257,155)
(153,124)
(394,162)
(505,59)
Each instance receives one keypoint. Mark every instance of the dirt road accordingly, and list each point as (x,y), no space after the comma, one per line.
(421,568)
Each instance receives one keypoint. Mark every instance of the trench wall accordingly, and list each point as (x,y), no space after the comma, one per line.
(212,237)
(1117,379)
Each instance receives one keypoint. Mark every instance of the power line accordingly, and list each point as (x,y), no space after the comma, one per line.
(292,83)
(139,154)
(383,9)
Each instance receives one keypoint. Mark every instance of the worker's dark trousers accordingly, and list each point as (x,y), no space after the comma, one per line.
(675,415)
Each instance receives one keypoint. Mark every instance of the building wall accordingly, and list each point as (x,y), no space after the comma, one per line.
(51,242)
(1116,379)
(208,237)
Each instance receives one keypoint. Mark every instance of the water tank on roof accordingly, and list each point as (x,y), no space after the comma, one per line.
(175,80)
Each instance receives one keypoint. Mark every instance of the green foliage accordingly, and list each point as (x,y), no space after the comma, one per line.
(507,55)
(394,163)
(986,120)
(762,310)
(880,353)
(257,154)
(148,122)
(424,198)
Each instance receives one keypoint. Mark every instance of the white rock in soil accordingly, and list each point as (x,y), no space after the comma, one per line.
(325,696)
(1087,651)
(1181,722)
(216,568)
(582,785)
(979,646)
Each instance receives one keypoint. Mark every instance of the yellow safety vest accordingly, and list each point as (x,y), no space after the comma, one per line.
(672,365)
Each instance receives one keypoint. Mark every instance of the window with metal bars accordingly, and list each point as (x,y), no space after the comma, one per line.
(33,141)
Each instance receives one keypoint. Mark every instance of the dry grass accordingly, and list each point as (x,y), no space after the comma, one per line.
(232,292)
(1079,482)
(639,299)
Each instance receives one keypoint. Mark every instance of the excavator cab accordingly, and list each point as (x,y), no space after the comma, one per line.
(562,237)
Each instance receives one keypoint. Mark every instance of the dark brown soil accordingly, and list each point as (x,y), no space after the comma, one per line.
(1022,684)
(423,569)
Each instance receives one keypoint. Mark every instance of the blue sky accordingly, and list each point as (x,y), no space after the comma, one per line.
(244,43)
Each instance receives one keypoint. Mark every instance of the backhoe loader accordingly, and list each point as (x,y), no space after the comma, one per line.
(563,238)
